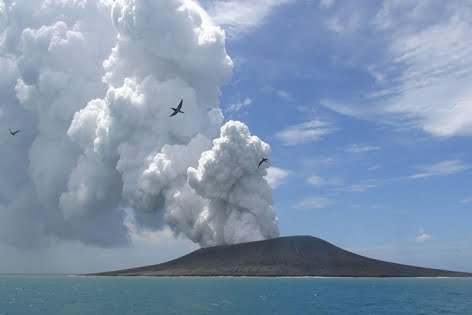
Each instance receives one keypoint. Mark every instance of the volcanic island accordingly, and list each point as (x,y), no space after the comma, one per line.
(290,256)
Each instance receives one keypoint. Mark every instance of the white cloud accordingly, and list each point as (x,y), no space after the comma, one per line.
(443,168)
(423,78)
(313,130)
(423,237)
(276,176)
(434,87)
(315,161)
(238,17)
(238,106)
(334,24)
(345,22)
(318,181)
(361,148)
(313,203)
(360,187)
(326,3)
(284,95)
(383,18)
(373,167)
(315,181)
(466,200)
(346,109)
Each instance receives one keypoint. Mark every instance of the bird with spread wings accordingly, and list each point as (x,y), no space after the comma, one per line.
(178,109)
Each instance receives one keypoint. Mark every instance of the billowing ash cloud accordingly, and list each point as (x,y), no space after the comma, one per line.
(51,60)
(227,178)
(93,101)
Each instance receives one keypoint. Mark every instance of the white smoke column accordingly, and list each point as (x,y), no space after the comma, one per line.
(94,146)
(167,50)
(240,199)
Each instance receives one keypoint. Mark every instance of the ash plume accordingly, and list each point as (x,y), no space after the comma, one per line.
(91,84)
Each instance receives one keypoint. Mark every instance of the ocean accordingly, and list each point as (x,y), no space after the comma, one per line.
(185,295)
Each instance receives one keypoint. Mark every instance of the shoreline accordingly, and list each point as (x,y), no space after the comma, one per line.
(228,277)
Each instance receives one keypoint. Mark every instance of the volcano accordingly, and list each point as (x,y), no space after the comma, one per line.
(282,256)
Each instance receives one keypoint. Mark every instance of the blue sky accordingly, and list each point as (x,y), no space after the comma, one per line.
(368,111)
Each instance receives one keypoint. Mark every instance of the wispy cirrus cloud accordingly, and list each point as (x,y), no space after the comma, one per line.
(361,148)
(239,17)
(348,108)
(433,88)
(338,184)
(320,160)
(423,77)
(325,4)
(359,187)
(466,200)
(374,167)
(236,107)
(443,168)
(318,181)
(334,24)
(313,203)
(309,131)
(284,95)
(280,93)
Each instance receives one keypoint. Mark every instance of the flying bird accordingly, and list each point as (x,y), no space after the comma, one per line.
(177,110)
(13,132)
(262,161)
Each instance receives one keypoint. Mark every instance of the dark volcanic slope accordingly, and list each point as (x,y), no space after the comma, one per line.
(283,256)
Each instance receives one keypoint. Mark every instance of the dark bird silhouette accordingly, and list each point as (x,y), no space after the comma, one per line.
(13,132)
(262,161)
(177,110)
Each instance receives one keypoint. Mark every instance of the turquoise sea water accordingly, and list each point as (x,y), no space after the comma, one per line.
(141,295)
